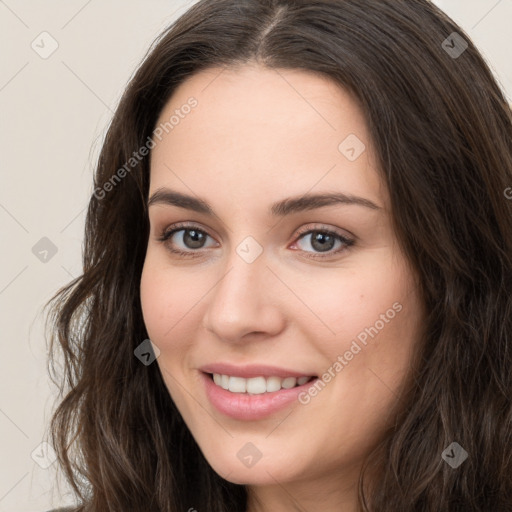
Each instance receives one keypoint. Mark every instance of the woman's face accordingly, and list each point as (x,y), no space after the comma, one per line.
(275,288)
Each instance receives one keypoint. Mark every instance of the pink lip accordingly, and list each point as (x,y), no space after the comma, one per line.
(242,406)
(253,370)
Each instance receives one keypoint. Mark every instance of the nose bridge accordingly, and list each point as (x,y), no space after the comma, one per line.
(239,303)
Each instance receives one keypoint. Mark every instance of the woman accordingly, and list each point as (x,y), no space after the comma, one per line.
(297,271)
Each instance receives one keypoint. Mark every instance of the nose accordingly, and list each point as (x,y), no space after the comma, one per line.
(245,302)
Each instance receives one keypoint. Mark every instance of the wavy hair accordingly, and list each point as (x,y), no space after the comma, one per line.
(442,132)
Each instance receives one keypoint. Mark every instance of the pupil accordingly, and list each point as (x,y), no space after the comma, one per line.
(325,241)
(196,237)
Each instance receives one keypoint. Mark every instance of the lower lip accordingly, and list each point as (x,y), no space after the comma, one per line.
(242,406)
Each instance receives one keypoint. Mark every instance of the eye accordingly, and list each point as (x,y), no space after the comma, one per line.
(323,240)
(192,238)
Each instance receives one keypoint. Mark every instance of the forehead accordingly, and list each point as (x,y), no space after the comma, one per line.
(264,130)
(260,97)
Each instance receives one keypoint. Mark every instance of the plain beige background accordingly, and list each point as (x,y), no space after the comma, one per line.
(55,108)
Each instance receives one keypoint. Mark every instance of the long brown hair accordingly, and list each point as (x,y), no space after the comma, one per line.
(442,133)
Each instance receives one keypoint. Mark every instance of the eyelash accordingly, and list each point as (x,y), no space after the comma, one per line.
(168,232)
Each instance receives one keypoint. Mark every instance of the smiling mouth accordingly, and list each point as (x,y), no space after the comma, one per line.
(257,385)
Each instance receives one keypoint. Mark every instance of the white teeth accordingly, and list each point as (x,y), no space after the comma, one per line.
(289,382)
(237,385)
(273,384)
(224,381)
(257,385)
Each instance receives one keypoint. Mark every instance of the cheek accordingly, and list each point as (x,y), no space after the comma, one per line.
(357,302)
(172,311)
(164,307)
(167,299)
(155,299)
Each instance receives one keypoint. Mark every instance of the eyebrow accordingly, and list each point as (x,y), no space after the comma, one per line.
(281,208)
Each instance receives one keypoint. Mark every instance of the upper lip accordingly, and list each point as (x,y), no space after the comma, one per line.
(252,370)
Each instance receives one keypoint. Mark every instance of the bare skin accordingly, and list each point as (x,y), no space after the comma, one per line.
(258,136)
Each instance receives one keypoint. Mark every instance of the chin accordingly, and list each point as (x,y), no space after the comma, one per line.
(262,472)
